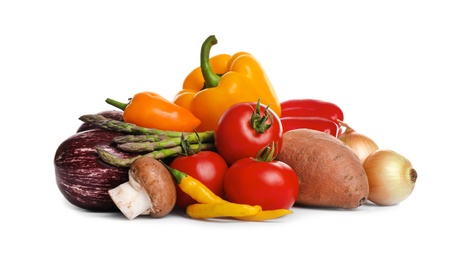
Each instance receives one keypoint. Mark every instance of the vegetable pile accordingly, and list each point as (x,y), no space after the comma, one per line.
(225,147)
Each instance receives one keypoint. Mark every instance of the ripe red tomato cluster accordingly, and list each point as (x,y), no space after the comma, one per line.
(244,131)
(244,169)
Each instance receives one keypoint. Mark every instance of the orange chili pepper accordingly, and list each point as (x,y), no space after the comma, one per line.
(148,109)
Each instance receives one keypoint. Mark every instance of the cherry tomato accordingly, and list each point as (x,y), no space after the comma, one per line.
(270,184)
(206,166)
(244,129)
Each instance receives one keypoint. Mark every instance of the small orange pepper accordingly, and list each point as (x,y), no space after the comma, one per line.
(148,109)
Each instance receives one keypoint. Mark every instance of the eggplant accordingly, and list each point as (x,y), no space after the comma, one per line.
(82,176)
(113,114)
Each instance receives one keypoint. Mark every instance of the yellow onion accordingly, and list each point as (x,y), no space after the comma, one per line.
(361,144)
(391,177)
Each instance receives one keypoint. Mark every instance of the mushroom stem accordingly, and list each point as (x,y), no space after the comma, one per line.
(131,199)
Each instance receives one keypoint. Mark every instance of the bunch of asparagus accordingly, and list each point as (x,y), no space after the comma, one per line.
(149,142)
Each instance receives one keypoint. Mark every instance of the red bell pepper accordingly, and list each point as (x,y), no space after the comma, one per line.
(317,123)
(311,107)
(313,114)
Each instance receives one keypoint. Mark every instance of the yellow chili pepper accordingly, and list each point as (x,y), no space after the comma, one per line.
(223,81)
(223,209)
(266,215)
(148,109)
(212,206)
(194,188)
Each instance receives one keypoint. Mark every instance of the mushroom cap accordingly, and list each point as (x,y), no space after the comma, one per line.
(158,182)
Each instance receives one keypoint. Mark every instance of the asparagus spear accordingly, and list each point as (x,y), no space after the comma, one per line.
(138,147)
(205,137)
(139,138)
(123,127)
(115,160)
(148,146)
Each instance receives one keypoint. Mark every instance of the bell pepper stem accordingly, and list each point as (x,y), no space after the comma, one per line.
(211,79)
(117,104)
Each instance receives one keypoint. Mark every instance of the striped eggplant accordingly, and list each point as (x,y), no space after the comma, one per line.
(82,177)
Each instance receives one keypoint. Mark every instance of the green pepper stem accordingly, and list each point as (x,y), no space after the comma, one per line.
(178,175)
(211,79)
(117,104)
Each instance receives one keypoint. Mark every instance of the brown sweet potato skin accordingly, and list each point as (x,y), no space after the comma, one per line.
(330,174)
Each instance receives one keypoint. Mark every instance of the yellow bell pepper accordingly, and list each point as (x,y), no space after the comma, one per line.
(223,81)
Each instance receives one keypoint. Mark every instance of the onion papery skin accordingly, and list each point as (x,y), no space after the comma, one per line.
(391,177)
(361,144)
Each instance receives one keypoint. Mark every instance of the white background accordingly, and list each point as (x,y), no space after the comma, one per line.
(398,69)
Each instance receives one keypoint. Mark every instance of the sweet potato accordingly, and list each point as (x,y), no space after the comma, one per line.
(330,173)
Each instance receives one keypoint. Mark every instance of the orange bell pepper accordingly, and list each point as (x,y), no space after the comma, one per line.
(148,109)
(223,81)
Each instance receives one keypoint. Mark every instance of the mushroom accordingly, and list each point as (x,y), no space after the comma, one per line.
(149,191)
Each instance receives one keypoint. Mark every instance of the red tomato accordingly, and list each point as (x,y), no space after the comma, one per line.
(237,137)
(206,166)
(270,184)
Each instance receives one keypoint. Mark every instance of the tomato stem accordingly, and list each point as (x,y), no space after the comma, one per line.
(258,122)
(186,145)
(267,153)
